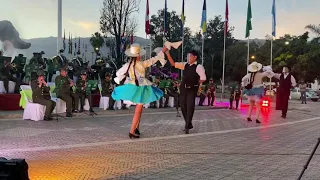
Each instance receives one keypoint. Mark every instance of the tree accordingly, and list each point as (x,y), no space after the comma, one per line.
(117,19)
(314,28)
(213,46)
(96,41)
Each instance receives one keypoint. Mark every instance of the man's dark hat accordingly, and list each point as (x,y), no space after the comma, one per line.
(64,69)
(107,74)
(83,72)
(61,51)
(195,53)
(42,52)
(40,73)
(20,55)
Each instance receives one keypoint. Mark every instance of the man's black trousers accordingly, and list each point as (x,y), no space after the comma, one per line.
(187,103)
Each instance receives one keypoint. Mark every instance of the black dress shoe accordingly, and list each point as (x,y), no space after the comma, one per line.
(283,116)
(137,132)
(91,110)
(249,119)
(191,126)
(186,131)
(69,115)
(46,118)
(133,136)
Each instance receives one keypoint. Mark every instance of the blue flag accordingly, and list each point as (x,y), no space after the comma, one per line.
(204,17)
(274,22)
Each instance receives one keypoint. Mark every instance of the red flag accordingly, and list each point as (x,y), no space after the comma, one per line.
(131,38)
(227,18)
(147,30)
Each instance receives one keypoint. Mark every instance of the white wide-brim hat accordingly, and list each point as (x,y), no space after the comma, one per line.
(135,50)
(254,67)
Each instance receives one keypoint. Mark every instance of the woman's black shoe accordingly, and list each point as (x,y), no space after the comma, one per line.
(257,121)
(133,136)
(249,119)
(137,131)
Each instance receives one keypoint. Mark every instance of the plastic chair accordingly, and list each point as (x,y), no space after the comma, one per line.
(32,111)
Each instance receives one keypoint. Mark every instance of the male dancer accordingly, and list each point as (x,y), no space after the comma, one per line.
(286,82)
(193,76)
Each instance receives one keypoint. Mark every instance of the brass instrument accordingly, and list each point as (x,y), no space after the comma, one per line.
(200,90)
(12,66)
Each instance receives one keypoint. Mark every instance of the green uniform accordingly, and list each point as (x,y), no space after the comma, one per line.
(20,62)
(41,95)
(64,92)
(5,76)
(210,90)
(106,91)
(51,69)
(82,94)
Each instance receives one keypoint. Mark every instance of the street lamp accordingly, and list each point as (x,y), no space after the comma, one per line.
(287,43)
(253,57)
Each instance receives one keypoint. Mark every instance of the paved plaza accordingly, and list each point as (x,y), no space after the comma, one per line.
(222,145)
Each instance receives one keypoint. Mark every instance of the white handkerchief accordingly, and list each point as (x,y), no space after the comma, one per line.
(175,45)
(267,68)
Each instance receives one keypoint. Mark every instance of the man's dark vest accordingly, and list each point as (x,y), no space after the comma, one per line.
(190,76)
(285,83)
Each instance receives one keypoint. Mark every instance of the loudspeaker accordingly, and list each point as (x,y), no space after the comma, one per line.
(14,169)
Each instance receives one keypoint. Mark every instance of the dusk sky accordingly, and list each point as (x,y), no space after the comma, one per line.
(38,18)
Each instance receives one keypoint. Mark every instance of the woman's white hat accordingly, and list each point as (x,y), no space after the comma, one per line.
(135,50)
(254,67)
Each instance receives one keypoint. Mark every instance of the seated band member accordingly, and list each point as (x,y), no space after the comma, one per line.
(82,93)
(201,94)
(211,92)
(6,76)
(64,91)
(41,95)
(107,88)
(173,91)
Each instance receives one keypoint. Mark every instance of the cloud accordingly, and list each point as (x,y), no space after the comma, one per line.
(88,26)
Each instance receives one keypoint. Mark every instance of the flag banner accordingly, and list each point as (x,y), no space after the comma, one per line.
(79,46)
(249,17)
(64,40)
(147,25)
(182,19)
(227,18)
(274,22)
(69,43)
(204,17)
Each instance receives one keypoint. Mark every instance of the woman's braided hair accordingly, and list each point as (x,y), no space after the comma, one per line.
(134,60)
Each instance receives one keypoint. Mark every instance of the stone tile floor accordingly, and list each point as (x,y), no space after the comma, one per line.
(221,146)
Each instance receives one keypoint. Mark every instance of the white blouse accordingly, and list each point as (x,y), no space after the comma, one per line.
(257,82)
(140,70)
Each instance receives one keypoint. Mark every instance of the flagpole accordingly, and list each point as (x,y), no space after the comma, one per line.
(224,59)
(248,57)
(150,51)
(271,56)
(202,47)
(182,51)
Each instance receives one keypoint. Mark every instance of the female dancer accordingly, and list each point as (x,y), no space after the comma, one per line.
(137,89)
(254,88)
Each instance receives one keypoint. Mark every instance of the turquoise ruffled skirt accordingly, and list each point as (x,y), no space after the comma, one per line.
(137,94)
(259,92)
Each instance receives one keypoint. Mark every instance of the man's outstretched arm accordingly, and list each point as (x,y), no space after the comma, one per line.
(178,65)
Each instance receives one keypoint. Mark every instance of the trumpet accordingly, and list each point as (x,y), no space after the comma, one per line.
(12,66)
(200,90)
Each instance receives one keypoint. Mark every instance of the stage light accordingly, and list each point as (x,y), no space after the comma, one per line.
(265,103)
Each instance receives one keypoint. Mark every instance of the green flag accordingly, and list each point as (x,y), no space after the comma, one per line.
(249,16)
